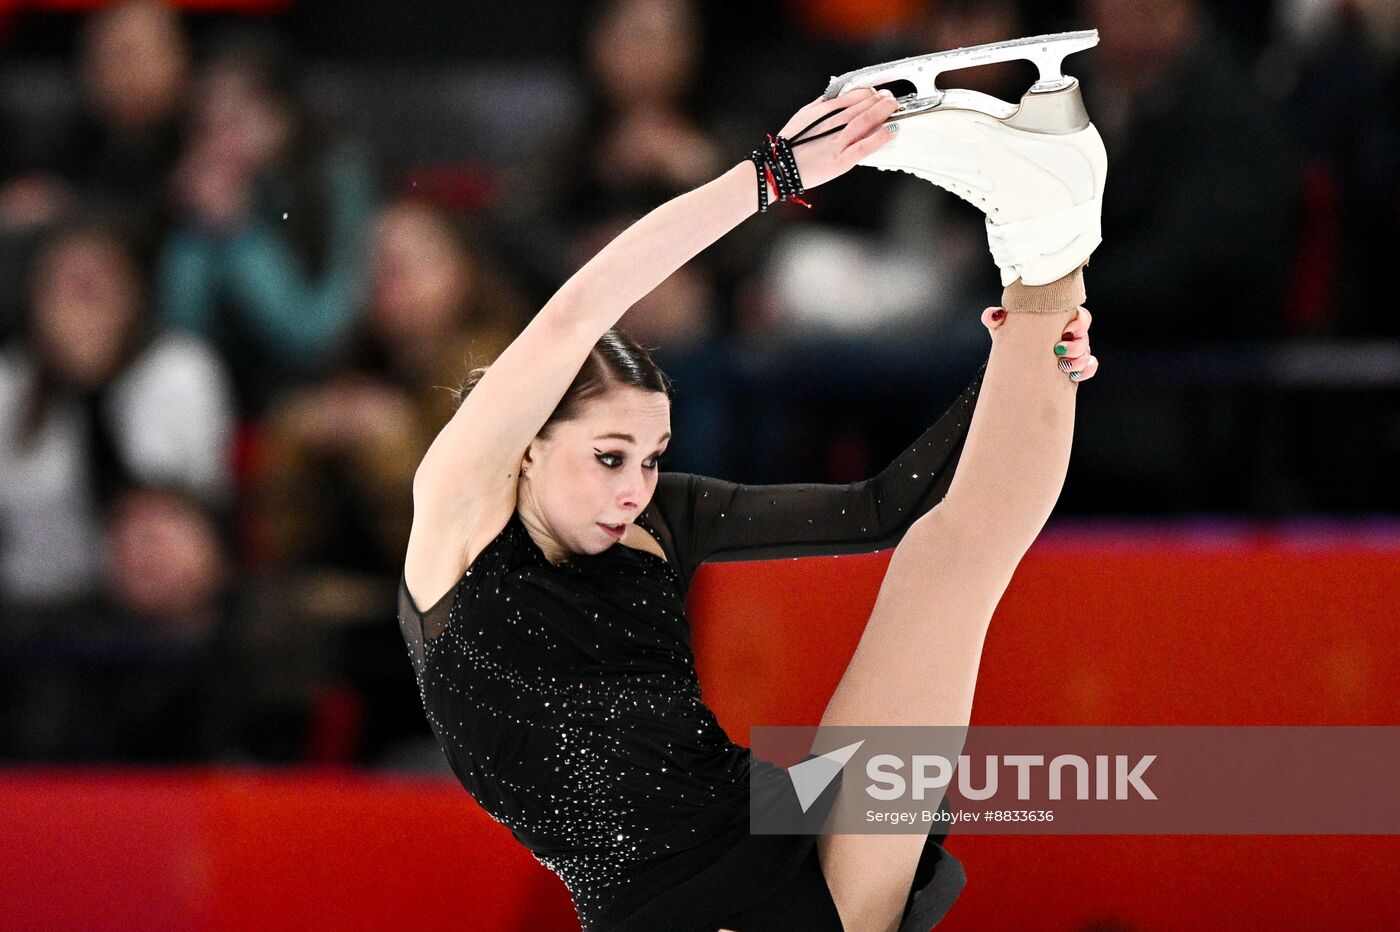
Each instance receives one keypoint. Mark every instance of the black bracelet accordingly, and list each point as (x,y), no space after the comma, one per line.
(774,162)
(781,164)
(788,165)
(756,156)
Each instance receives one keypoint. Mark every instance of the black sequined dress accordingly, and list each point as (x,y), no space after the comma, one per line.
(565,697)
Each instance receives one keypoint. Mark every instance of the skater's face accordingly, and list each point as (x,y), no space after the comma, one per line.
(598,469)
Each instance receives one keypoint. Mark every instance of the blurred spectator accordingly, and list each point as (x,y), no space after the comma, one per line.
(330,491)
(165,561)
(332,485)
(679,321)
(268,255)
(94,399)
(115,153)
(1201,205)
(644,137)
(133,64)
(109,589)
(136,672)
(640,137)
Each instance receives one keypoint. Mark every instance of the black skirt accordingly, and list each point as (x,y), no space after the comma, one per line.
(805,902)
(774,883)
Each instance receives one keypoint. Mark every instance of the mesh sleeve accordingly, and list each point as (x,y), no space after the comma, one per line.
(701,519)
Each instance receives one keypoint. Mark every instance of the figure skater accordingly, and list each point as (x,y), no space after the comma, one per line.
(551,557)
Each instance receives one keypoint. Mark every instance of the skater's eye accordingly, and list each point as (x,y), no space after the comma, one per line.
(615,460)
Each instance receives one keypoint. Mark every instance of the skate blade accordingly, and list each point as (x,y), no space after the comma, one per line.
(1052,112)
(1047,52)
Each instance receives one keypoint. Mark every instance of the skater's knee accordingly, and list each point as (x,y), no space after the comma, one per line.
(936,529)
(957,520)
(955,529)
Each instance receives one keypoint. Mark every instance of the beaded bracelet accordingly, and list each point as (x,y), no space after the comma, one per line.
(763,173)
(776,166)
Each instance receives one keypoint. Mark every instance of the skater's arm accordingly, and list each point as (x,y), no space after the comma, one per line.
(706,520)
(465,486)
(648,252)
(471,466)
(487,436)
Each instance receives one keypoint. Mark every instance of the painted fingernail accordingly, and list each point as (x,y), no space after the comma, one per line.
(1063,364)
(1061,349)
(1066,336)
(892,127)
(999,313)
(1074,376)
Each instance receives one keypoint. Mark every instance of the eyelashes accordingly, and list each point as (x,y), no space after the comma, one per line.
(614,460)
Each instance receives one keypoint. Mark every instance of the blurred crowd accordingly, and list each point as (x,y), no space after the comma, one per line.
(241,270)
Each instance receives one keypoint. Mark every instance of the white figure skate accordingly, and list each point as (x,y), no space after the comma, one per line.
(1035,169)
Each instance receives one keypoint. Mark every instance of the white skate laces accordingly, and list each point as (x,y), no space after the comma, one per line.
(1036,169)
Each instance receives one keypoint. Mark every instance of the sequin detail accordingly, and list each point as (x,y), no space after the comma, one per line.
(566,699)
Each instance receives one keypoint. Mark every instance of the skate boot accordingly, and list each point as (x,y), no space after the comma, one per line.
(1036,169)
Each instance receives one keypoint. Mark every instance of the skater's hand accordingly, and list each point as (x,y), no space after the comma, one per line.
(1077,362)
(1071,354)
(823,159)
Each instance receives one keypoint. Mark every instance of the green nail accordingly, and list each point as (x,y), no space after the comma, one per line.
(1061,349)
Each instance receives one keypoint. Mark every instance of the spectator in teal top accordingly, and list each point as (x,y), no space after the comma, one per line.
(267,254)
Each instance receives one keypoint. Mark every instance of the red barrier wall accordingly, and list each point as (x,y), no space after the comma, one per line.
(1113,627)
